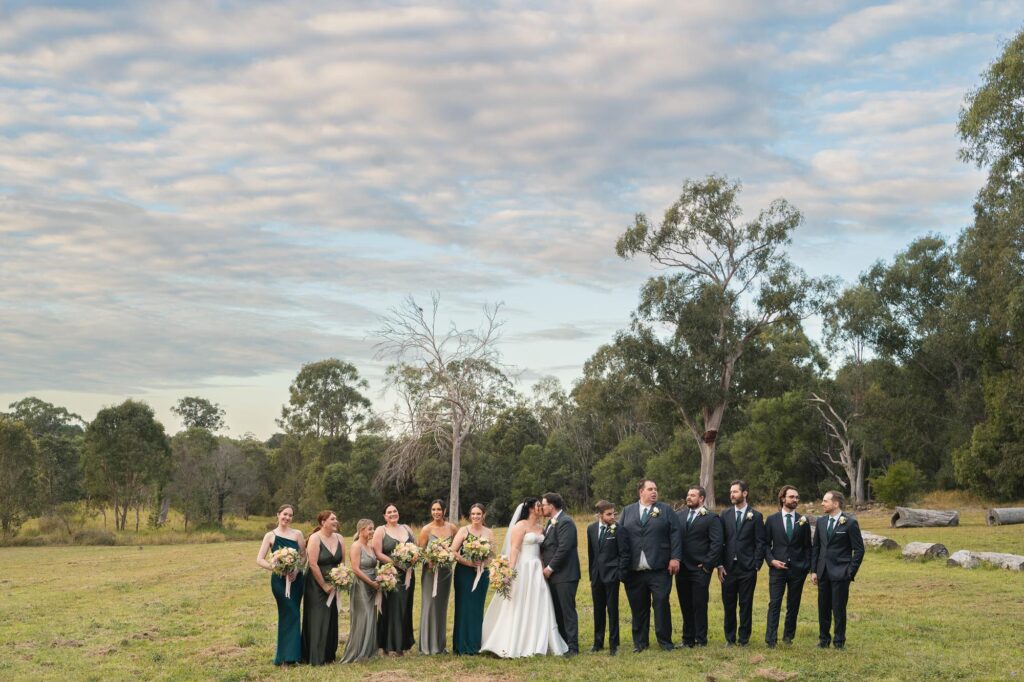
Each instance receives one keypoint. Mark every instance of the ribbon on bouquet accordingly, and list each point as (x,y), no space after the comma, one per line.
(378,600)
(330,599)
(479,573)
(408,577)
(434,593)
(288,585)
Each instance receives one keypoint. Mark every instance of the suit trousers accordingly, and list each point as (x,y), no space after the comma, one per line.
(563,597)
(606,601)
(832,598)
(788,582)
(692,588)
(739,587)
(645,589)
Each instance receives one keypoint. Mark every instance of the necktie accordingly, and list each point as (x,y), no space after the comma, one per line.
(831,526)
(643,518)
(739,520)
(600,535)
(789,526)
(546,526)
(689,521)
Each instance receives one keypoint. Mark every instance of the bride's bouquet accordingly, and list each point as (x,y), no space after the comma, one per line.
(286,562)
(502,576)
(477,549)
(341,577)
(406,556)
(438,554)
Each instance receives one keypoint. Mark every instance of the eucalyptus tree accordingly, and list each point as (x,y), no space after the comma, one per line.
(449,382)
(727,281)
(325,400)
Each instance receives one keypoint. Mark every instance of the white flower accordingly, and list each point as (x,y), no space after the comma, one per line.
(702,511)
(655,512)
(750,515)
(842,520)
(802,521)
(611,528)
(553,522)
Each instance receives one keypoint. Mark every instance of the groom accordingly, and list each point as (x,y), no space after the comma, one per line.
(561,568)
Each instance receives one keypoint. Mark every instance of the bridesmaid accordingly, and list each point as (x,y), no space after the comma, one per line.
(362,633)
(289,636)
(434,610)
(326,549)
(469,603)
(394,627)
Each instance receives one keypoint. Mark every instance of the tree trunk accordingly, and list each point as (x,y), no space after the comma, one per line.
(137,507)
(707,472)
(920,550)
(1005,516)
(453,490)
(965,558)
(880,541)
(923,518)
(858,488)
(220,508)
(165,509)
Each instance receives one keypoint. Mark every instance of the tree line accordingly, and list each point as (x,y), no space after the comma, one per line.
(917,383)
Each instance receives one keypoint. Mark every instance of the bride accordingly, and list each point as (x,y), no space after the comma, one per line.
(524,624)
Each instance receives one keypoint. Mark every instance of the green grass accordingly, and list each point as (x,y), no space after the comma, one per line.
(127,613)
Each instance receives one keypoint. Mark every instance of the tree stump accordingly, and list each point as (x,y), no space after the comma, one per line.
(922,550)
(923,518)
(1005,516)
(879,541)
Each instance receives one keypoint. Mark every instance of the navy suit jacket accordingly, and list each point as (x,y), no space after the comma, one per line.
(795,553)
(558,550)
(702,541)
(744,550)
(603,557)
(660,539)
(840,556)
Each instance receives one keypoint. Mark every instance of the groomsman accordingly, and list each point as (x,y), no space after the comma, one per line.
(603,562)
(836,555)
(702,548)
(743,528)
(650,549)
(561,568)
(788,553)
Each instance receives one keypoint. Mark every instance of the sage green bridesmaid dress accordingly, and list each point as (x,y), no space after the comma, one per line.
(394,627)
(289,635)
(434,610)
(362,633)
(320,621)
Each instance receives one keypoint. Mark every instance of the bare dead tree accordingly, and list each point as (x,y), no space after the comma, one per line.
(838,430)
(448,381)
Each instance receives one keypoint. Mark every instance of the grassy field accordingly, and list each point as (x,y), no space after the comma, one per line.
(146,612)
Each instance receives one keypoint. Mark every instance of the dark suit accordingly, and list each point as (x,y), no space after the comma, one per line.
(836,560)
(702,548)
(659,540)
(558,551)
(603,562)
(795,552)
(742,557)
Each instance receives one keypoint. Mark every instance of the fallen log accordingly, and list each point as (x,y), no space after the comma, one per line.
(1005,516)
(880,541)
(965,558)
(923,518)
(921,550)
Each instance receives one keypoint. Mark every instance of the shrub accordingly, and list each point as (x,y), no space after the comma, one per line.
(901,481)
(94,536)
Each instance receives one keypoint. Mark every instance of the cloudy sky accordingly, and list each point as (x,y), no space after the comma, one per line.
(196,198)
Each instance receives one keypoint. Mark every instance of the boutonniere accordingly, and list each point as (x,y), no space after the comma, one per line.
(611,529)
(702,512)
(552,522)
(802,521)
(842,520)
(655,512)
(750,515)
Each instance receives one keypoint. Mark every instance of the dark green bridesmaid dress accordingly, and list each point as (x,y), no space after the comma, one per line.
(469,608)
(320,621)
(289,635)
(394,626)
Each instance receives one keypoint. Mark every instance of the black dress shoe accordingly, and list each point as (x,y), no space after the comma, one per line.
(770,645)
(822,645)
(613,651)
(667,647)
(687,645)
(838,646)
(638,649)
(787,640)
(570,654)
(594,649)
(730,643)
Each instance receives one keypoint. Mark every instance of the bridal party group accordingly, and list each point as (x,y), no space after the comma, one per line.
(647,549)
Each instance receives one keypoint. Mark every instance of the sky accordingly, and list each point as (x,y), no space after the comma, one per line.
(197,198)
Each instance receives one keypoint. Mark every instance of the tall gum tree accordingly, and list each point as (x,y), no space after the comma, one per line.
(727,281)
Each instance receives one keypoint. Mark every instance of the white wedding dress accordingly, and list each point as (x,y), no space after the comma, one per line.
(524,624)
